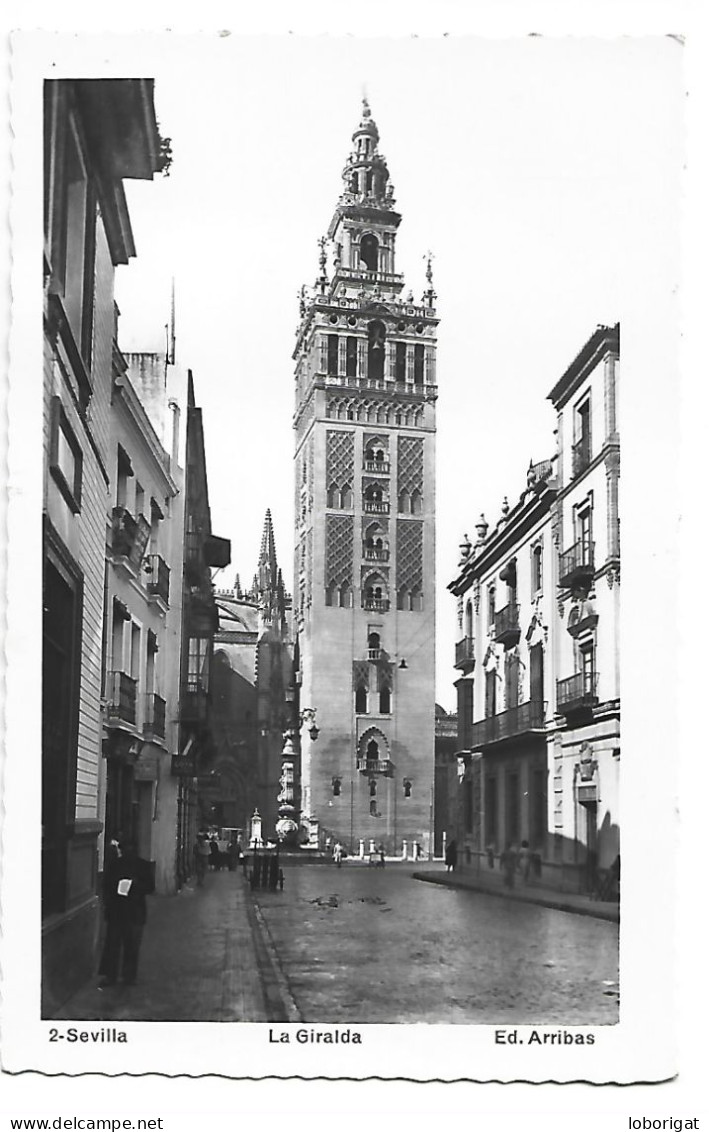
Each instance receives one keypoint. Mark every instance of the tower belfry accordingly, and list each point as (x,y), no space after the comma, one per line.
(365,521)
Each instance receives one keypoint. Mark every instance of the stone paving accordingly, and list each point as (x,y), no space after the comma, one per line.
(362,945)
(202,960)
(358,945)
(491,881)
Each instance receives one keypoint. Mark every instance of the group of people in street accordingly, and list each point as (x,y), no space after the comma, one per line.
(207,854)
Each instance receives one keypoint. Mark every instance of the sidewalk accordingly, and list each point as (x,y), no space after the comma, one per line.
(204,958)
(491,882)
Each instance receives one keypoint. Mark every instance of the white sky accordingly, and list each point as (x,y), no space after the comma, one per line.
(542,173)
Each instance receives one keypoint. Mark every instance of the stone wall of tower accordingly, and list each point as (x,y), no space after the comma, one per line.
(335,640)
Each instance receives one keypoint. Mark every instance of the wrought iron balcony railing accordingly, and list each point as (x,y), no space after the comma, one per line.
(464,652)
(580,456)
(376,554)
(129,536)
(576,564)
(193,705)
(510,724)
(507,624)
(121,695)
(157,574)
(154,715)
(377,466)
(376,507)
(577,692)
(375,766)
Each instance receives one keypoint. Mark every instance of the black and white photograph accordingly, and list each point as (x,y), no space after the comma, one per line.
(322,394)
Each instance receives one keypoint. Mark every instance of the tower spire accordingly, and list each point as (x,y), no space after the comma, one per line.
(267,573)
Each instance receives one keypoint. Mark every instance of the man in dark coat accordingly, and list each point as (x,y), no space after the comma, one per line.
(127,880)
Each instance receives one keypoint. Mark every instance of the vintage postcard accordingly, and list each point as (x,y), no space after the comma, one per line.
(331,714)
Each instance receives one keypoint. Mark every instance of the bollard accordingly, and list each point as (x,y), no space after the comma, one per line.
(405,850)
(361,848)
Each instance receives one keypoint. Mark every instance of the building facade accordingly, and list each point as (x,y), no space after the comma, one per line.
(202,552)
(96,134)
(584,741)
(506,596)
(365,524)
(253,672)
(538,728)
(144,556)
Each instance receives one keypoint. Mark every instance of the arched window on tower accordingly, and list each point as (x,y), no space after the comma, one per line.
(402,598)
(416,504)
(418,365)
(351,357)
(369,246)
(372,757)
(346,497)
(333,495)
(400,362)
(331,594)
(385,700)
(333,346)
(354,187)
(345,596)
(373,646)
(469,619)
(404,503)
(416,600)
(361,700)
(375,351)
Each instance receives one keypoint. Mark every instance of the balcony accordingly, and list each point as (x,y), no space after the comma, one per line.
(577,693)
(465,653)
(129,536)
(154,716)
(384,767)
(507,625)
(376,507)
(580,456)
(193,705)
(576,567)
(158,577)
(524,719)
(375,554)
(378,466)
(121,694)
(376,604)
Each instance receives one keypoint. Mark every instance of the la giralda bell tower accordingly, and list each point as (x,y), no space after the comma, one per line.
(365,425)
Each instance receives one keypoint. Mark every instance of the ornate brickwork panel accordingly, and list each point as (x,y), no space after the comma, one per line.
(384,675)
(340,458)
(409,554)
(360,674)
(373,412)
(339,549)
(410,469)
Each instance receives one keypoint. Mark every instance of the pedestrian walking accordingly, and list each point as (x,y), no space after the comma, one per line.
(508,864)
(525,861)
(451,857)
(380,850)
(127,880)
(337,854)
(201,858)
(233,854)
(214,855)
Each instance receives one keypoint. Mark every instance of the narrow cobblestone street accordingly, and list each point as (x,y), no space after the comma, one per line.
(358,945)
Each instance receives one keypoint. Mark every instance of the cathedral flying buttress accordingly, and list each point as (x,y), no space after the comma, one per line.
(365,393)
